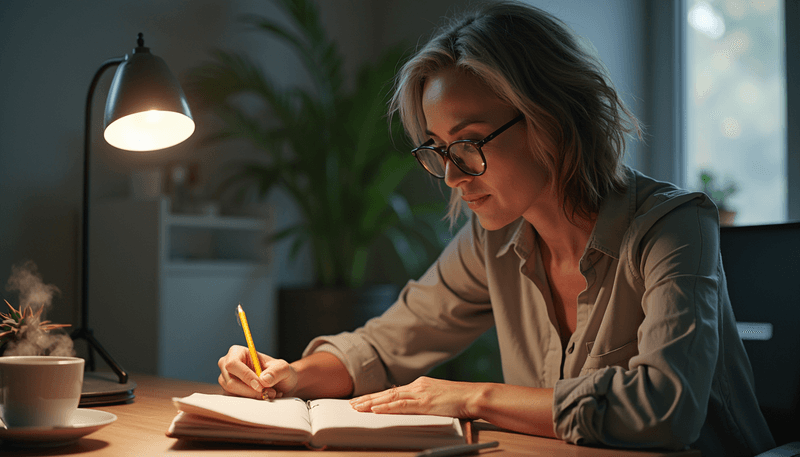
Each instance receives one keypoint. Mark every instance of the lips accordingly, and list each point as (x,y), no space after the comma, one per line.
(475,200)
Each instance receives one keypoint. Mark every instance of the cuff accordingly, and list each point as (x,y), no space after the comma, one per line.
(361,361)
(579,407)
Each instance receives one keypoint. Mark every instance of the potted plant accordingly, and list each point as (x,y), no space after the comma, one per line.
(331,149)
(719,194)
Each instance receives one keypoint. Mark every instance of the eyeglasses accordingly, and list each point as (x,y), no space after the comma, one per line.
(465,154)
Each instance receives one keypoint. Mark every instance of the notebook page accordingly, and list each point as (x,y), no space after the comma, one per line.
(288,413)
(333,413)
(336,423)
(194,426)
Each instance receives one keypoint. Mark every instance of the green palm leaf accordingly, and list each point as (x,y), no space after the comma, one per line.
(331,149)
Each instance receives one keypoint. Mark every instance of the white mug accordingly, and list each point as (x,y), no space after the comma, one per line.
(39,391)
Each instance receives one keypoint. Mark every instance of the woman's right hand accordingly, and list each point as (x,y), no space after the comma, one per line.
(237,375)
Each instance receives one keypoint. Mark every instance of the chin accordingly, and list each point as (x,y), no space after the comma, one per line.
(492,223)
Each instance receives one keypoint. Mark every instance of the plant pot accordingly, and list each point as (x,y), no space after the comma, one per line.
(305,313)
(726,218)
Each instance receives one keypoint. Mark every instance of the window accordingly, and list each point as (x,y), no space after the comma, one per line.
(735,101)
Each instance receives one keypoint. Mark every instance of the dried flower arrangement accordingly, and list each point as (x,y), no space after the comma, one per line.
(22,324)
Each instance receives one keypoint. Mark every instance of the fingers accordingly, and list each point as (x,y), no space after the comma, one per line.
(238,378)
(404,406)
(280,376)
(423,396)
(394,400)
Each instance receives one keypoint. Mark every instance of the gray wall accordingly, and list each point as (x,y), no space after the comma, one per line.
(50,49)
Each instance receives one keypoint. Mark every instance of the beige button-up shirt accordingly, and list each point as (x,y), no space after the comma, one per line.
(655,360)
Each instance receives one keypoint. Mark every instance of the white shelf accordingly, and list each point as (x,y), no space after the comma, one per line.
(208,221)
(204,242)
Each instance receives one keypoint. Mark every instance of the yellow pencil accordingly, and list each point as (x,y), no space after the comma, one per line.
(250,345)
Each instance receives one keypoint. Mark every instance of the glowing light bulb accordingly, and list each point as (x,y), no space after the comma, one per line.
(153,116)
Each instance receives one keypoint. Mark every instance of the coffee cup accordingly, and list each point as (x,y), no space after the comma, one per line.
(39,391)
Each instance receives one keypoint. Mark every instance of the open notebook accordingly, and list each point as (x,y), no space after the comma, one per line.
(321,423)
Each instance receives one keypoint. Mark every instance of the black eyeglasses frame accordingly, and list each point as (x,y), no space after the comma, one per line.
(445,153)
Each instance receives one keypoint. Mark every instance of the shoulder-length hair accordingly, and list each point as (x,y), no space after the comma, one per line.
(576,122)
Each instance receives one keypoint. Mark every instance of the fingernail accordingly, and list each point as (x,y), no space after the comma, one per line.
(255,384)
(268,378)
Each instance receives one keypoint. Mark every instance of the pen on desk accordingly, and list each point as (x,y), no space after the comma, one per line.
(457,449)
(252,347)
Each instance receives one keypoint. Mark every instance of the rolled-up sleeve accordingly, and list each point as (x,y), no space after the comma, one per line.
(433,320)
(661,399)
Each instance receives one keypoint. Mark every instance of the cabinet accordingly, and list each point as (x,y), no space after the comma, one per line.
(163,287)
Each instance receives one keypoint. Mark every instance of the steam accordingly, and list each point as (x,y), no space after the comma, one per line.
(32,339)
(33,292)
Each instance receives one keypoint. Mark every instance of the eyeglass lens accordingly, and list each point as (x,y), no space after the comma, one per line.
(465,155)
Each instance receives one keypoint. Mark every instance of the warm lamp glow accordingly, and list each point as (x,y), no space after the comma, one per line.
(146,108)
(149,130)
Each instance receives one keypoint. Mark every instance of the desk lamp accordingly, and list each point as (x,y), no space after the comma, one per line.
(146,110)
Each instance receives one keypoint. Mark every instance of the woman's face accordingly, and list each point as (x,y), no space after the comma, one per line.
(458,106)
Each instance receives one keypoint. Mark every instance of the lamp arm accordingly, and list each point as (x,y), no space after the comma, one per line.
(83,331)
(87,140)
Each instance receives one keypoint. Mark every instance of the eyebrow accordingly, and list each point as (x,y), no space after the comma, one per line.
(458,127)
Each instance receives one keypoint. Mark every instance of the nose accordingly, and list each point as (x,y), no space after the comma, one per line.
(453,176)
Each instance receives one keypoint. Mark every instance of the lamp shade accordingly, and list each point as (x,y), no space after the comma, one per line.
(146,107)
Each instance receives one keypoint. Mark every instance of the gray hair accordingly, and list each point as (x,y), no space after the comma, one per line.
(577,124)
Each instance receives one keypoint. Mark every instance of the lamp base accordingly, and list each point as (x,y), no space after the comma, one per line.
(86,334)
(102,388)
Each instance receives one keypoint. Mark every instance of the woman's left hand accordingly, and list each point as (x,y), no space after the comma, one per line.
(423,396)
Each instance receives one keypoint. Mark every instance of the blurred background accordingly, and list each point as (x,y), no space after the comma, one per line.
(708,79)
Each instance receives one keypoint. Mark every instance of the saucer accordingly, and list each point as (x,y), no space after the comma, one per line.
(84,422)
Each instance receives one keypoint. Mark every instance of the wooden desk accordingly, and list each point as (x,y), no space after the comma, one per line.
(141,425)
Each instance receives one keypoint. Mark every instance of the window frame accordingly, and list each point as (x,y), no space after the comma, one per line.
(792,47)
(667,129)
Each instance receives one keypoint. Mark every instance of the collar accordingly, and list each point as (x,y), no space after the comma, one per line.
(521,237)
(614,218)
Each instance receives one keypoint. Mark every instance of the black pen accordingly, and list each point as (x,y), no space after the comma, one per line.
(457,449)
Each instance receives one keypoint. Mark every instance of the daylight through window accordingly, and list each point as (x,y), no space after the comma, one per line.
(736,106)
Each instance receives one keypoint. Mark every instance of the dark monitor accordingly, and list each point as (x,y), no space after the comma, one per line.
(762,266)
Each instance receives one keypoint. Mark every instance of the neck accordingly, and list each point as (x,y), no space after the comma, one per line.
(564,239)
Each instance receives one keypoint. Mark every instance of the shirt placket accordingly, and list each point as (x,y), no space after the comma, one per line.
(585,302)
(554,352)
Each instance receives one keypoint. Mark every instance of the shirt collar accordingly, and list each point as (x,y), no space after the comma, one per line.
(615,216)
(613,220)
(521,236)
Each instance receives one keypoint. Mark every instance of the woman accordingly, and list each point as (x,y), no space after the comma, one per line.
(605,286)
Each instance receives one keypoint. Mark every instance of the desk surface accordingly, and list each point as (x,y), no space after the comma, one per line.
(141,425)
